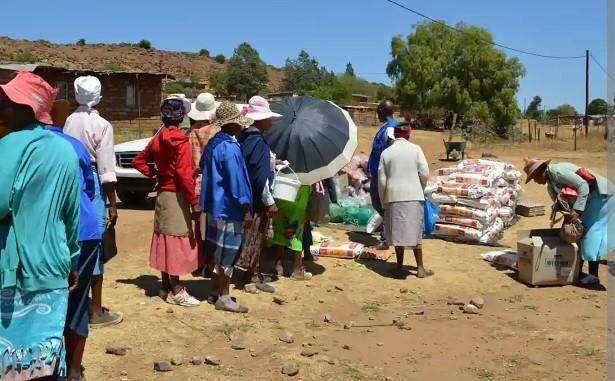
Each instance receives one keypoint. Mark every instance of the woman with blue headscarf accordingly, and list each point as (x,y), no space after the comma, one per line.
(174,250)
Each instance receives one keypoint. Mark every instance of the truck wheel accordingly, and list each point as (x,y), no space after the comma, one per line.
(132,197)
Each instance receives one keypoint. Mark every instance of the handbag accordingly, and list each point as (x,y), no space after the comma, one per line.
(572,228)
(318,206)
(109,244)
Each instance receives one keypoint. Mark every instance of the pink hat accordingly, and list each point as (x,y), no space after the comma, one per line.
(258,109)
(31,90)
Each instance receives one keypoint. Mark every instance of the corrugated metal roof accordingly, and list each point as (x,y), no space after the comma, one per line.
(33,67)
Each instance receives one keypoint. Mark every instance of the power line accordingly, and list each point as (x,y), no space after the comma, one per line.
(483,40)
(601,67)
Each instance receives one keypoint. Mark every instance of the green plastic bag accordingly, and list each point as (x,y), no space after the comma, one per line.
(357,215)
(336,213)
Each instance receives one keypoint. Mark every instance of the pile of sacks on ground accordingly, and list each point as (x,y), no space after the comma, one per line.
(477,200)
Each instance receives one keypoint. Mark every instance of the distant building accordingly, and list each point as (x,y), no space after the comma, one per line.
(129,99)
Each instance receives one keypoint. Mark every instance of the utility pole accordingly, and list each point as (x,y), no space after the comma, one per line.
(586,119)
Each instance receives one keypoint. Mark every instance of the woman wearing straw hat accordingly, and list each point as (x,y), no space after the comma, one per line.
(260,163)
(593,205)
(174,251)
(226,199)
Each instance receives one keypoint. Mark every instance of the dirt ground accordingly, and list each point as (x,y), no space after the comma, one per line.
(554,333)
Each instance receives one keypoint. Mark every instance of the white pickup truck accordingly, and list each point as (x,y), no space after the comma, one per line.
(132,186)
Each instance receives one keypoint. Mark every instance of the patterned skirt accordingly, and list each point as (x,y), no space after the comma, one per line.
(31,333)
(254,239)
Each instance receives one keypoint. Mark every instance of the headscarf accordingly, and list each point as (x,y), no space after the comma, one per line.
(172,111)
(87,91)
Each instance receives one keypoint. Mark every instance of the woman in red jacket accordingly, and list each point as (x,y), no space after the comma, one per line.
(174,250)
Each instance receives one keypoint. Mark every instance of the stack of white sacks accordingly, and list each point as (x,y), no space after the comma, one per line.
(477,200)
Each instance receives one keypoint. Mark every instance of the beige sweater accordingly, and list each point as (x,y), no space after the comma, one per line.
(403,173)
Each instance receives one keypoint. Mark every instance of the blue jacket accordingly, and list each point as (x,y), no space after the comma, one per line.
(378,146)
(225,190)
(88,219)
(257,155)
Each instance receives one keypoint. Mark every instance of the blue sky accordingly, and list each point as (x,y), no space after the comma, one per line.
(334,31)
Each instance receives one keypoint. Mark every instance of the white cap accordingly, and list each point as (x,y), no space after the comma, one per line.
(87,91)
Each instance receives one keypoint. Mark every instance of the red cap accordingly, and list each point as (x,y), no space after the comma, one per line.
(31,90)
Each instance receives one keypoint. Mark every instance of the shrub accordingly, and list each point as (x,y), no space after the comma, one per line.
(220,58)
(145,44)
(204,52)
(80,42)
(25,57)
(113,67)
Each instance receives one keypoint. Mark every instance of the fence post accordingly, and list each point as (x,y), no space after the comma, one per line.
(529,129)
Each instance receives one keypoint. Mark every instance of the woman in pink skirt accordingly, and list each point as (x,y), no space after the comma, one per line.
(174,248)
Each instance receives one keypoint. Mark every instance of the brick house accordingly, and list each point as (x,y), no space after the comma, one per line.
(130,100)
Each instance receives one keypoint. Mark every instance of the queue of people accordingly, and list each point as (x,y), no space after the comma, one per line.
(215,211)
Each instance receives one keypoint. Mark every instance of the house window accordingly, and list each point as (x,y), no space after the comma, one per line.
(131,96)
(62,90)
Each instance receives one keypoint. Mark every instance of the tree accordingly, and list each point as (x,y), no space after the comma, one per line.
(246,74)
(598,107)
(204,52)
(304,74)
(335,91)
(438,68)
(220,58)
(145,44)
(80,42)
(562,110)
(533,109)
(350,70)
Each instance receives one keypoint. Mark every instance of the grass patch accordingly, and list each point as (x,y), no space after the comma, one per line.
(25,57)
(313,324)
(352,371)
(516,298)
(511,364)
(484,374)
(370,307)
(591,352)
(227,329)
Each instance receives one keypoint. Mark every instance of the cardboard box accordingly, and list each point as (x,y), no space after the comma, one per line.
(546,260)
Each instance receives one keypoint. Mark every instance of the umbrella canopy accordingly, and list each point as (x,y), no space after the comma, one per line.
(317,137)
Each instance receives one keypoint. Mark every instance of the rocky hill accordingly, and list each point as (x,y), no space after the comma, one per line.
(117,57)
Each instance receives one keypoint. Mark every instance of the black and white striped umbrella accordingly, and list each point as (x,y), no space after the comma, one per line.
(317,137)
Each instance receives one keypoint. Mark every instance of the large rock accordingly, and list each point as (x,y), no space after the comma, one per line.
(162,366)
(212,360)
(287,337)
(238,345)
(470,309)
(116,350)
(309,352)
(290,369)
(478,302)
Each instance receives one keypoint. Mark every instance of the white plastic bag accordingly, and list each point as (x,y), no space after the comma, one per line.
(374,223)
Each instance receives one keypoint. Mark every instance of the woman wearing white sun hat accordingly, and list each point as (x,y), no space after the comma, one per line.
(202,115)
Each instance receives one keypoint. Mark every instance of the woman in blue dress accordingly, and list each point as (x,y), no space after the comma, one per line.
(594,205)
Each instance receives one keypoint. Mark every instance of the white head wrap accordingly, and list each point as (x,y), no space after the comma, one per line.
(87,91)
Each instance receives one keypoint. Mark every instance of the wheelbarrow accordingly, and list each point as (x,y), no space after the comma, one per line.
(455,146)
